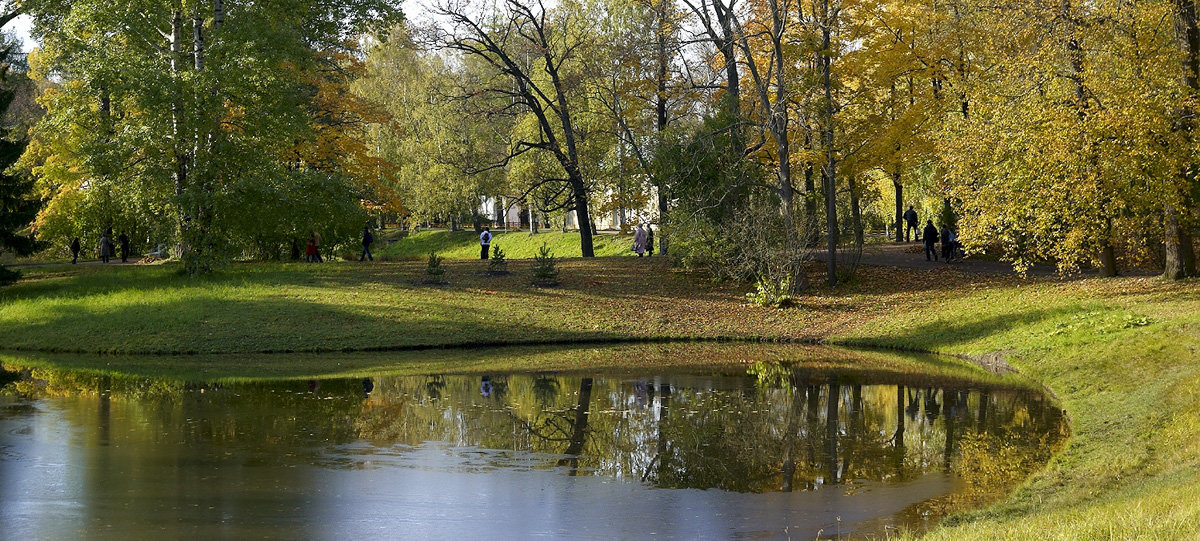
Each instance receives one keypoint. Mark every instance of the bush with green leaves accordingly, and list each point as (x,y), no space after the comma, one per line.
(545,268)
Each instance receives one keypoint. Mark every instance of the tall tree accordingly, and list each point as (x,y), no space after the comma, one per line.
(539,51)
(18,204)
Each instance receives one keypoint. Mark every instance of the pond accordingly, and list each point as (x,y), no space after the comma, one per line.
(778,445)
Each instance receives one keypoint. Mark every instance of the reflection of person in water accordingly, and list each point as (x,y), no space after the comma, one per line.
(368,386)
(485,386)
(314,386)
(641,397)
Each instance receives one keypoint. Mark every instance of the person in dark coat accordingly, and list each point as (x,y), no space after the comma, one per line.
(106,247)
(931,238)
(649,240)
(367,239)
(75,250)
(123,241)
(910,218)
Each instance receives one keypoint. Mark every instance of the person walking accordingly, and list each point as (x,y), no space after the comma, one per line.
(910,218)
(367,239)
(123,241)
(649,240)
(485,242)
(931,238)
(946,246)
(74,250)
(316,240)
(106,247)
(639,241)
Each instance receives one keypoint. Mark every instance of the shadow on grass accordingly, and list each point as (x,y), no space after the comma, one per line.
(944,335)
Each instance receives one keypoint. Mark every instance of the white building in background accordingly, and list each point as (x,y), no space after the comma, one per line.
(506,213)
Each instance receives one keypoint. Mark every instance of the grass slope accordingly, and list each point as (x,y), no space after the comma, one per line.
(1121,354)
(517,245)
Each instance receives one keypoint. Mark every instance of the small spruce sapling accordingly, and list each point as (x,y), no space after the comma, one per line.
(545,268)
(497,265)
(434,270)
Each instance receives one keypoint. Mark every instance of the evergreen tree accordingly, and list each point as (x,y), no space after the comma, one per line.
(17,204)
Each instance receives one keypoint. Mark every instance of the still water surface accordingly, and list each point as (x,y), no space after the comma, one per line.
(769,451)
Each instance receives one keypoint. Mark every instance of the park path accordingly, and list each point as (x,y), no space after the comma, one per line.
(90,262)
(905,256)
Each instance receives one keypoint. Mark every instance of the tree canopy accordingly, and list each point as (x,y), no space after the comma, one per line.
(1046,131)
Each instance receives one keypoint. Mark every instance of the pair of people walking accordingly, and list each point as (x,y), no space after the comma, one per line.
(312,251)
(106,249)
(949,240)
(643,240)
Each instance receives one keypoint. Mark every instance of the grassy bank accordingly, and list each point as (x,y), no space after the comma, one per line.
(1121,354)
(517,245)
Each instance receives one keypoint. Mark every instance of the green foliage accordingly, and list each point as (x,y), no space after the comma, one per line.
(18,204)
(497,264)
(221,150)
(435,141)
(772,293)
(545,268)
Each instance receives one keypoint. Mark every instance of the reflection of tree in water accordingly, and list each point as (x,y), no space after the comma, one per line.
(434,386)
(545,389)
(499,387)
(798,433)
(578,421)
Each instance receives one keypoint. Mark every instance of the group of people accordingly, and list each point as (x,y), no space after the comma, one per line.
(312,249)
(643,240)
(930,237)
(106,248)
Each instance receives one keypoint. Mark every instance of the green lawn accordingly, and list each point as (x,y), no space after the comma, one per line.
(1122,355)
(517,245)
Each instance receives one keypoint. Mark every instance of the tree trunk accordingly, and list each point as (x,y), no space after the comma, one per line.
(829,171)
(899,204)
(661,118)
(179,172)
(855,212)
(1108,257)
(1180,255)
(728,45)
(1180,258)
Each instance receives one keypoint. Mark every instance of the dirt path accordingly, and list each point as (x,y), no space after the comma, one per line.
(912,256)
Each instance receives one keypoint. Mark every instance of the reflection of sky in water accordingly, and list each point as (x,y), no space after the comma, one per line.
(433,457)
